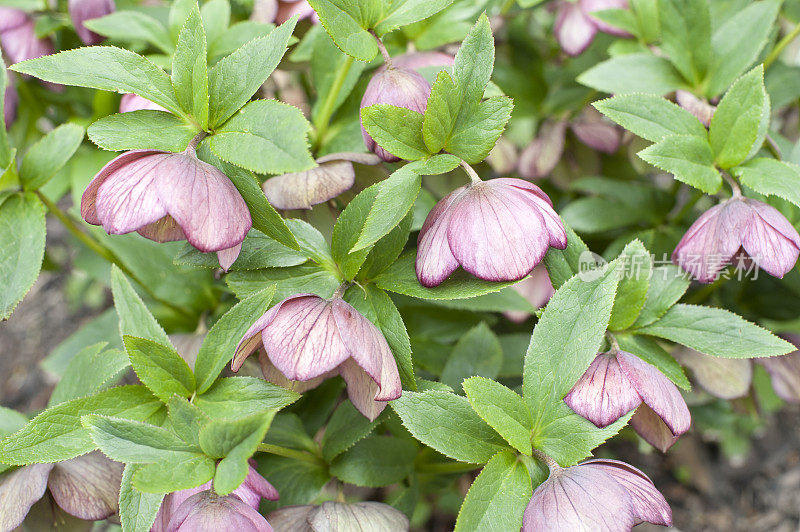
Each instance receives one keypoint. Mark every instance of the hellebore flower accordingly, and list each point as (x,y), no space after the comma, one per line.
(306,337)
(421,60)
(619,382)
(279,11)
(169,196)
(184,510)
(400,87)
(594,130)
(302,190)
(497,230)
(10,100)
(726,378)
(86,487)
(543,153)
(18,38)
(134,102)
(330,516)
(597,495)
(82,10)
(701,109)
(575,26)
(712,242)
(537,289)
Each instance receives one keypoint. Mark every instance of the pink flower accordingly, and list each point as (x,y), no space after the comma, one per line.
(576,27)
(596,131)
(543,153)
(597,495)
(169,196)
(497,230)
(134,102)
(206,511)
(10,100)
(82,10)
(279,11)
(333,516)
(18,38)
(420,60)
(617,383)
(536,289)
(307,337)
(714,240)
(400,87)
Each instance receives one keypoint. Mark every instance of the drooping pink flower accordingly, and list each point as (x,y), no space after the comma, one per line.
(726,378)
(86,487)
(134,102)
(597,132)
(596,495)
(419,60)
(337,516)
(619,382)
(400,87)
(784,371)
(10,101)
(169,196)
(178,506)
(82,10)
(307,337)
(497,230)
(576,27)
(18,37)
(543,153)
(715,239)
(206,511)
(537,289)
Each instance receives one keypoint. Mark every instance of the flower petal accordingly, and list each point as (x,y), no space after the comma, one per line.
(574,31)
(648,503)
(590,6)
(435,262)
(273,375)
(206,511)
(770,239)
(785,373)
(361,389)
(357,516)
(726,378)
(603,394)
(227,257)
(302,190)
(19,490)
(539,158)
(20,43)
(254,488)
(537,289)
(164,230)
(87,486)
(652,429)
(134,102)
(83,10)
(292,518)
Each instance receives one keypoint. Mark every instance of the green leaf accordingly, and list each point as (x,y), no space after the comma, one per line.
(566,340)
(563,264)
(6,152)
(22,239)
(404,12)
(735,124)
(401,278)
(376,461)
(190,69)
(648,350)
(497,497)
(327,60)
(386,250)
(106,68)
(478,128)
(56,434)
(640,72)
(142,130)
(636,265)
(651,117)
(221,341)
(180,472)
(667,284)
(306,278)
(160,368)
(134,442)
(396,129)
(91,370)
(441,113)
(232,397)
(258,251)
(503,409)
(733,53)
(132,26)
(265,136)
(49,155)
(346,427)
(137,510)
(478,352)
(686,36)
(771,178)
(234,80)
(186,419)
(688,158)
(445,422)
(349,226)
(216,15)
(345,30)
(134,318)
(474,61)
(716,332)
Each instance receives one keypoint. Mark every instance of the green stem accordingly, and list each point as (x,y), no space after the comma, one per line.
(103,251)
(448,467)
(288,453)
(323,120)
(782,44)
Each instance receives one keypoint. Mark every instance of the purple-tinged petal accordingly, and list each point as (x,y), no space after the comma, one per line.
(273,375)
(435,262)
(785,374)
(292,518)
(537,289)
(87,486)
(574,31)
(254,488)
(594,131)
(770,239)
(203,201)
(652,429)
(11,18)
(206,511)
(228,256)
(657,392)
(539,158)
(701,109)
(542,203)
(289,8)
(10,101)
(495,233)
(134,102)
(303,190)
(171,503)
(603,394)
(419,60)
(20,43)
(504,157)
(164,230)
(303,340)
(649,504)
(19,490)
(726,378)
(361,389)
(590,6)
(360,516)
(82,10)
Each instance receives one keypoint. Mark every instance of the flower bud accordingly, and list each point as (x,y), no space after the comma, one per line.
(331,516)
(306,337)
(604,495)
(169,196)
(542,155)
(701,109)
(759,230)
(82,10)
(399,87)
(497,230)
(619,382)
(18,37)
(134,102)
